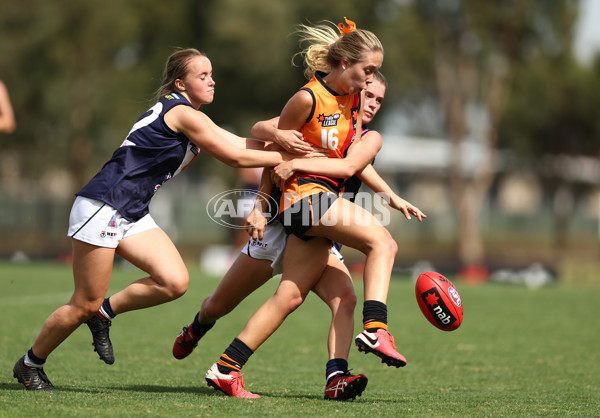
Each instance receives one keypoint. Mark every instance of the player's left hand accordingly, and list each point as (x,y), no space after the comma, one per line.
(292,141)
(406,208)
(256,223)
(282,172)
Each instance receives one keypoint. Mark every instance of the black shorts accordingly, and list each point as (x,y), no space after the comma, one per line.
(305,213)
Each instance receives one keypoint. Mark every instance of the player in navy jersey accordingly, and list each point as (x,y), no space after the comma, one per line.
(110,214)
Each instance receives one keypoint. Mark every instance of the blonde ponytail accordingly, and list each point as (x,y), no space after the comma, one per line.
(329,43)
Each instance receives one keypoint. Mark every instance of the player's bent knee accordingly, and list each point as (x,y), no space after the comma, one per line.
(387,245)
(380,241)
(176,286)
(293,303)
(344,302)
(85,311)
(348,300)
(392,247)
(178,290)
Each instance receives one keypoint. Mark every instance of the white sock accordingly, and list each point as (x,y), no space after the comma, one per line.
(30,363)
(333,374)
(104,314)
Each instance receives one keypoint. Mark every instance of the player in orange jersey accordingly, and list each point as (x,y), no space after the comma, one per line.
(261,259)
(328,113)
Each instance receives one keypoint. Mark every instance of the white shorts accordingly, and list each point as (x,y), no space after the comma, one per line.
(337,253)
(272,245)
(100,224)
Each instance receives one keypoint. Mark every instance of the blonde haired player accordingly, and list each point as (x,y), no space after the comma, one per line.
(327,111)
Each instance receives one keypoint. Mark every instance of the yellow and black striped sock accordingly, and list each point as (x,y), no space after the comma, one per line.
(234,357)
(373,326)
(374,315)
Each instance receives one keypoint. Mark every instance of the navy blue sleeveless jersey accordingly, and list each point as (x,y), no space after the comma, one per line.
(352,184)
(351,187)
(151,154)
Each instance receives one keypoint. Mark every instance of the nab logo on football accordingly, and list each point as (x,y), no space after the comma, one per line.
(231,207)
(438,309)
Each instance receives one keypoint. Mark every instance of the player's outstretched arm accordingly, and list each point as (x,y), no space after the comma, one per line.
(357,159)
(290,139)
(219,143)
(373,180)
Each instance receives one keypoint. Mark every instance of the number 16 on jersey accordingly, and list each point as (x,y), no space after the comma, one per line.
(329,139)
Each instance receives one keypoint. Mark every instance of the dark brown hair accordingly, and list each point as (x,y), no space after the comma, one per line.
(176,68)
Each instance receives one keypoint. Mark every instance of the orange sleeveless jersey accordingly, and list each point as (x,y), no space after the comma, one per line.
(331,125)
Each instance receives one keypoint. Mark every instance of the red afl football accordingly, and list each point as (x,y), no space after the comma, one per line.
(439,301)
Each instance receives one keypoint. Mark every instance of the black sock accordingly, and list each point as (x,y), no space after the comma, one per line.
(374,315)
(234,357)
(199,329)
(334,367)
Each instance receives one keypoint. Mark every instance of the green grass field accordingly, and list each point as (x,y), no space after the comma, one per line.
(519,352)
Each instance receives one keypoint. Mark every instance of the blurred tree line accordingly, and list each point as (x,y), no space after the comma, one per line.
(80,73)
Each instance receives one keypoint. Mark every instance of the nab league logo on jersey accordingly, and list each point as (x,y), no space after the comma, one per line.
(327,121)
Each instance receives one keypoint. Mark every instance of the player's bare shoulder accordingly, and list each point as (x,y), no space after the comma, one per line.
(184,118)
(374,137)
(297,110)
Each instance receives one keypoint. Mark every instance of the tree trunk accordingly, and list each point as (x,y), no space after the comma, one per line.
(462,81)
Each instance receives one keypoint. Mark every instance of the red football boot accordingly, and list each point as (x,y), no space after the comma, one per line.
(380,343)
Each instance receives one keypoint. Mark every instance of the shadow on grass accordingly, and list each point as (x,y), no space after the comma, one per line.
(157,389)
(11,386)
(367,398)
(102,389)
(202,391)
